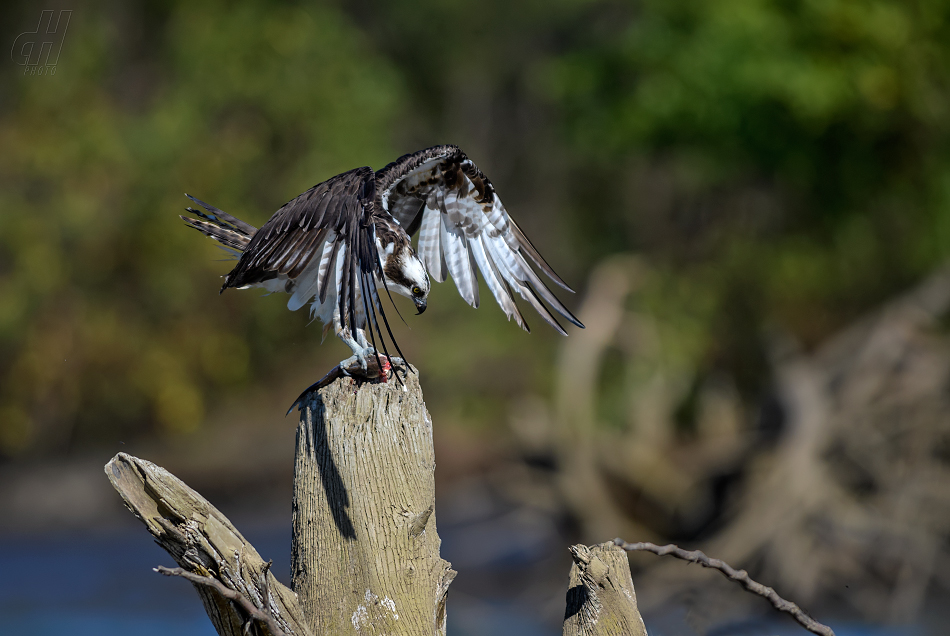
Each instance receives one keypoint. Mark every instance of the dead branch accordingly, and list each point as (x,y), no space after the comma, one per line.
(739,576)
(206,544)
(253,613)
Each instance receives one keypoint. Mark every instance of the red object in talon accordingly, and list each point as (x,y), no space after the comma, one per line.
(374,371)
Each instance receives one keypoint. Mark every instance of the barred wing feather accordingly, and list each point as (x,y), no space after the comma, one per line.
(319,245)
(464,228)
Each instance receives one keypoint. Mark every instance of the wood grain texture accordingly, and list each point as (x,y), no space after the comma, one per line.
(204,542)
(601,600)
(365,557)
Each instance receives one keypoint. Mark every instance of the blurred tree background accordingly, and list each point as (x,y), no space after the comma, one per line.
(782,164)
(781,167)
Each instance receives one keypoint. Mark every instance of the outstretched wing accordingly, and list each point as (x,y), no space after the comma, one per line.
(321,244)
(462,225)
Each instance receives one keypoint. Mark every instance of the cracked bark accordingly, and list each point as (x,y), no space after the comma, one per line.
(203,542)
(365,556)
(365,550)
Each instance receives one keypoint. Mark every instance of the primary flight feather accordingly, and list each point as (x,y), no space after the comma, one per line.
(343,242)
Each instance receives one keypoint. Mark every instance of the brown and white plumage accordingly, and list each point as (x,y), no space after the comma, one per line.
(344,239)
(463,226)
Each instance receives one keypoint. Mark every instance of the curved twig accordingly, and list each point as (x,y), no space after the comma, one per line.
(739,576)
(234,596)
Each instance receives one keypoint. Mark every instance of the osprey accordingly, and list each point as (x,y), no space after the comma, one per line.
(340,242)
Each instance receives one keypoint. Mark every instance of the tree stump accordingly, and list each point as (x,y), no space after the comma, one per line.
(365,554)
(601,600)
(365,551)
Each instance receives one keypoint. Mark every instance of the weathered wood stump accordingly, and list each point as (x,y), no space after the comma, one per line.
(365,546)
(365,550)
(601,600)
(203,542)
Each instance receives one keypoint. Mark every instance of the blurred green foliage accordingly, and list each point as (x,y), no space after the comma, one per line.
(782,164)
(110,324)
(802,145)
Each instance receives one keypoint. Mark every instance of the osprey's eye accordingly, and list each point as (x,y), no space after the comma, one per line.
(416,291)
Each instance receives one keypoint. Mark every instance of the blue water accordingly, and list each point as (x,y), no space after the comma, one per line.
(95,584)
(101,584)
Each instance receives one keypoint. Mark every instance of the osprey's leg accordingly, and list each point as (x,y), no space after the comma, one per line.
(360,353)
(361,338)
(359,346)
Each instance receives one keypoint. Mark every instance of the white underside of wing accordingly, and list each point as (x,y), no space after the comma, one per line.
(354,313)
(458,234)
(308,282)
(272,286)
(498,217)
(324,311)
(430,238)
(328,268)
(455,249)
(494,281)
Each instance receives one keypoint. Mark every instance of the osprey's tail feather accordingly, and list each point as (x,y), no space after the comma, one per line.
(230,231)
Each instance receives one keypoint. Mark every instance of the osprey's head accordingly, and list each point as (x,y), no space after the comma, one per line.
(406,275)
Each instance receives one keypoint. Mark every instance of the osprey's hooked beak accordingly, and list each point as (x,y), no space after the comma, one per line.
(420,305)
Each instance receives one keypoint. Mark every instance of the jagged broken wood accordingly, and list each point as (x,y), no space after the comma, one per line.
(601,600)
(205,543)
(365,551)
(365,555)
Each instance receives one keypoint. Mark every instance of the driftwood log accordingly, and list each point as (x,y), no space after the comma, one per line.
(365,549)
(205,544)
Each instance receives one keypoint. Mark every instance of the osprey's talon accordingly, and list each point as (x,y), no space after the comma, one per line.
(362,355)
(360,363)
(350,363)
